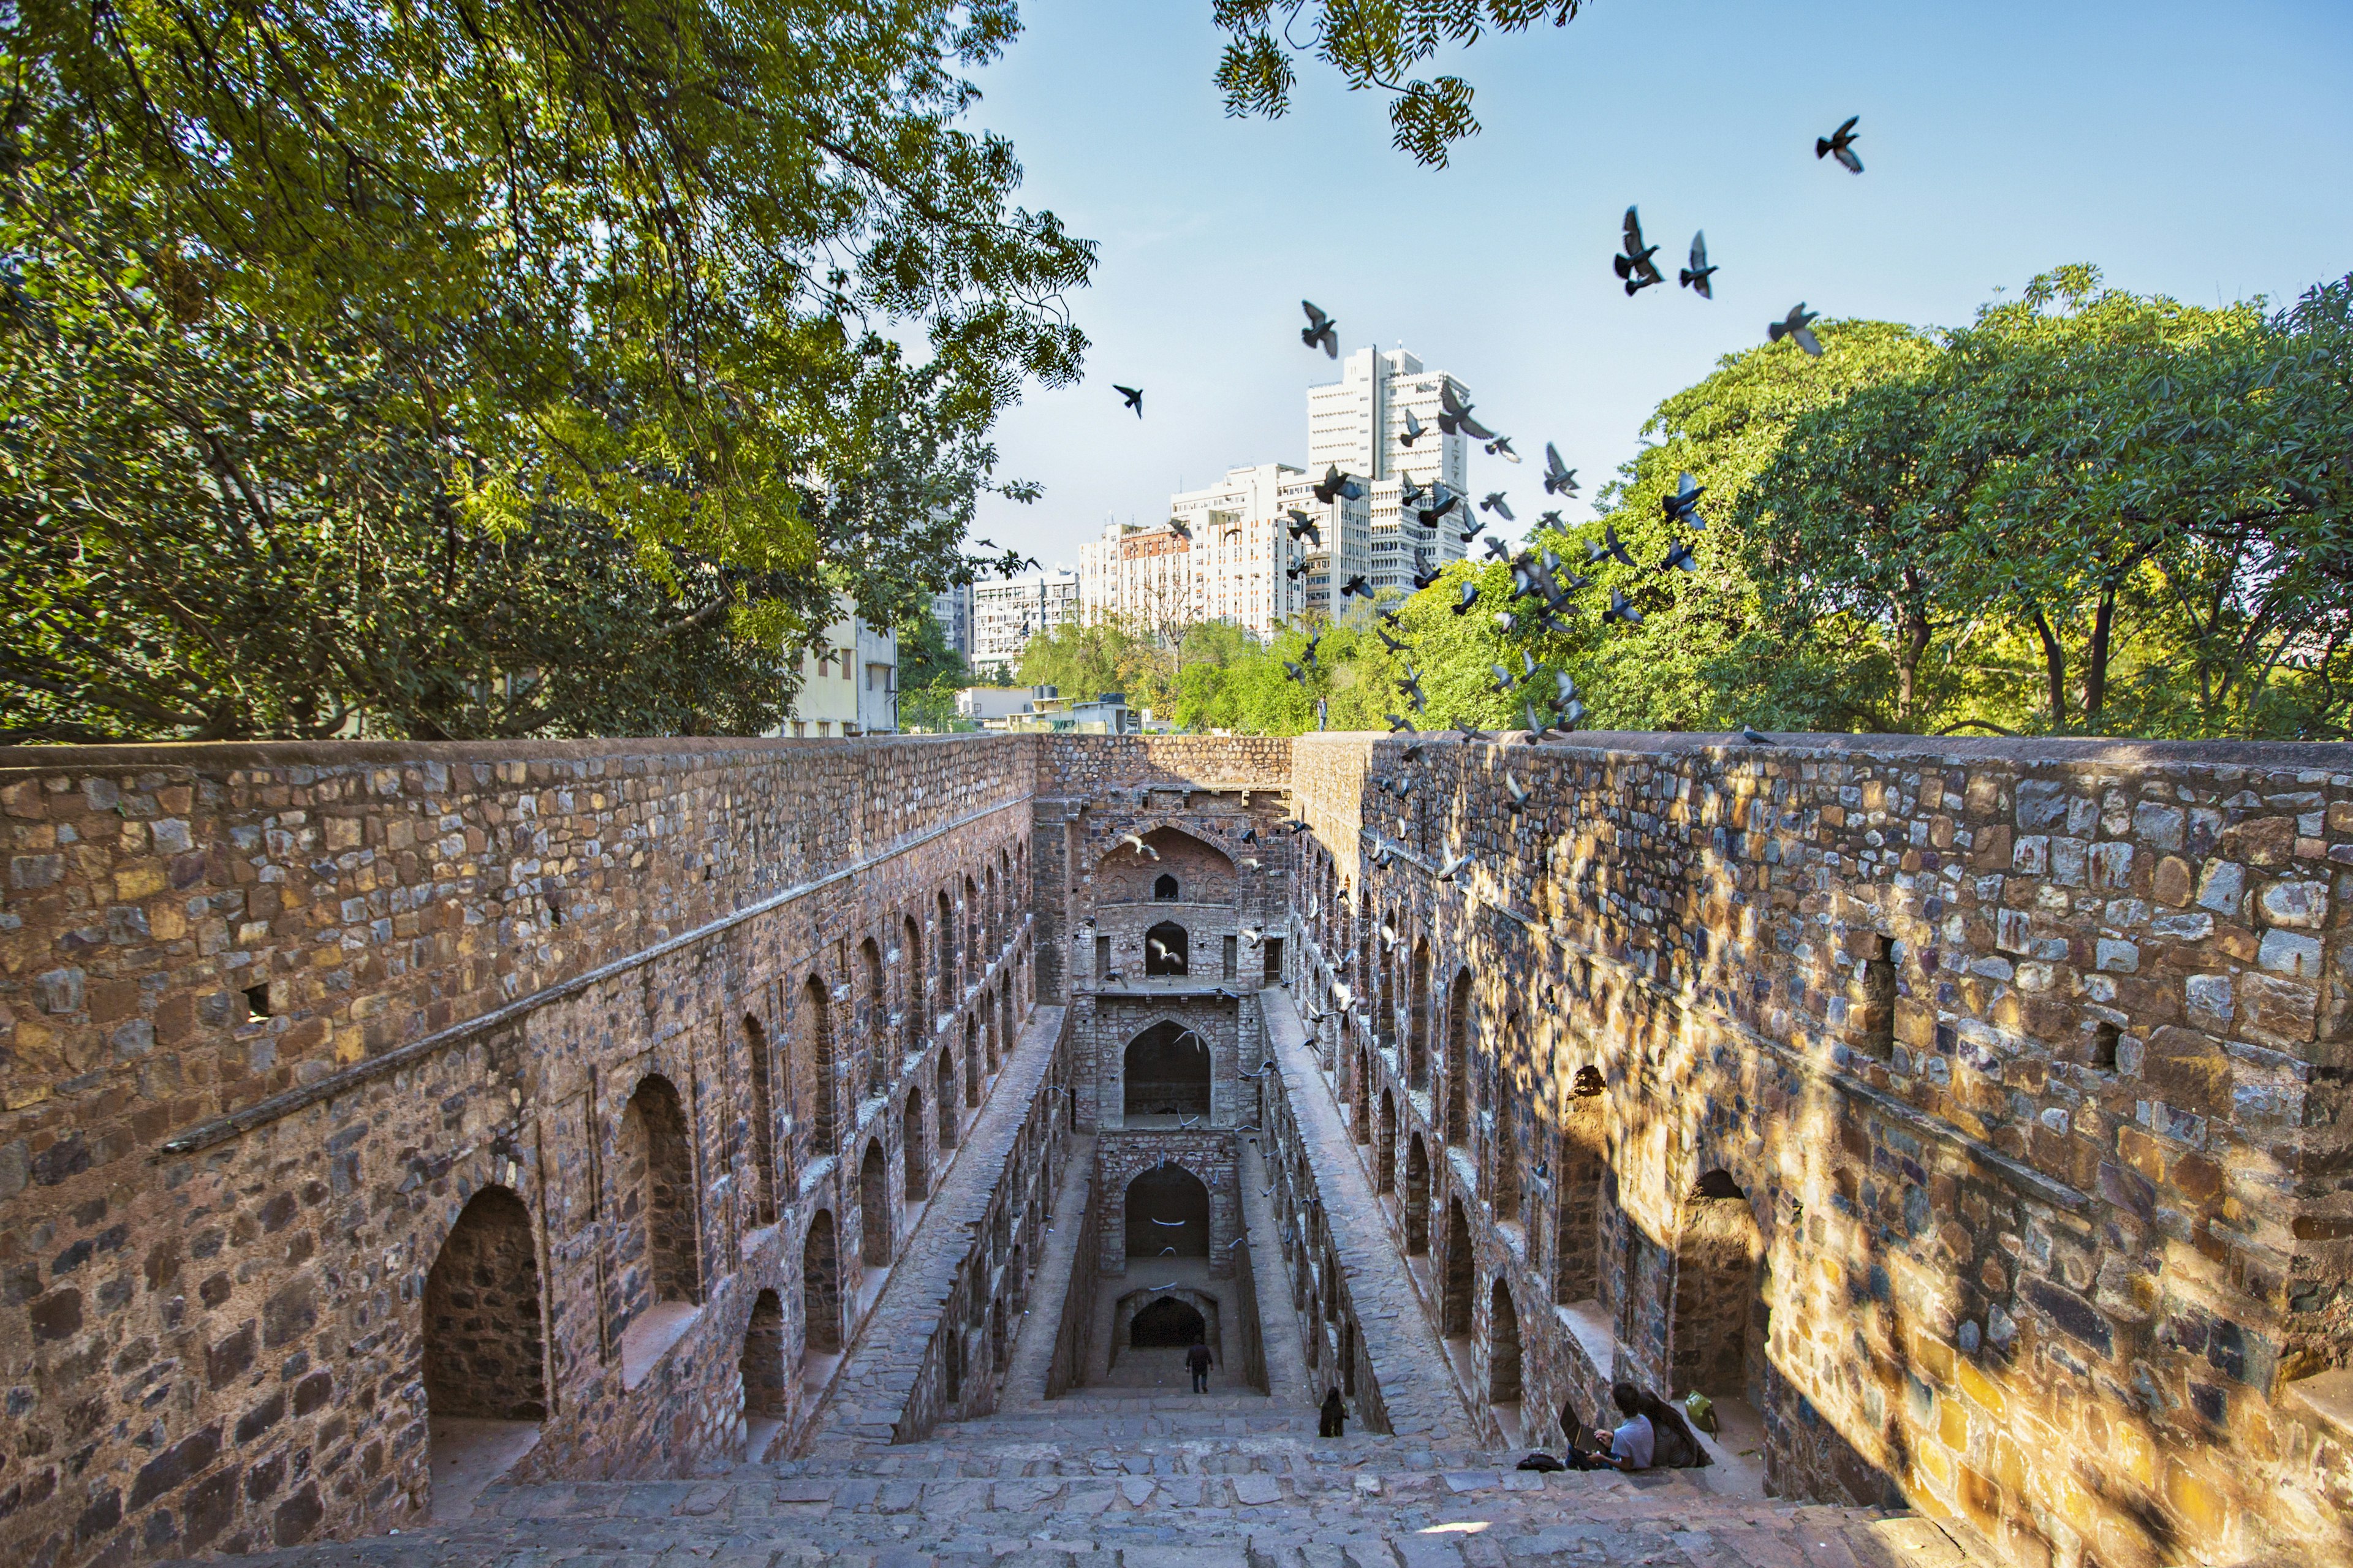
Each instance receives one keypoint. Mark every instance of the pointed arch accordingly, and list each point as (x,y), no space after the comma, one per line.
(1457,1059)
(1167,949)
(1165,1071)
(972,1076)
(1385,1148)
(943,1091)
(914,1146)
(820,1288)
(947,938)
(877,1023)
(485,1351)
(658,1205)
(918,1018)
(1502,1346)
(816,1028)
(1167,1206)
(1717,1325)
(1416,1022)
(874,1206)
(1455,1272)
(762,1362)
(1417,1198)
(762,1124)
(974,930)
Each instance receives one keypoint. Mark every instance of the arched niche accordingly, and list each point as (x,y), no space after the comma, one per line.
(1205,874)
(821,1289)
(484,1343)
(1167,1213)
(1165,1073)
(655,1172)
(1167,950)
(1718,1325)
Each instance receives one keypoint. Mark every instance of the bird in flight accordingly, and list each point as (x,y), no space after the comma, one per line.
(1796,326)
(1695,276)
(1840,144)
(1354,586)
(1519,797)
(1399,722)
(1454,415)
(1610,545)
(1682,503)
(1141,847)
(1679,554)
(1302,526)
(1454,866)
(1470,591)
(1496,548)
(1133,395)
(1558,478)
(1413,430)
(1621,609)
(1497,504)
(1470,731)
(1501,446)
(1635,266)
(1388,641)
(1320,329)
(1335,484)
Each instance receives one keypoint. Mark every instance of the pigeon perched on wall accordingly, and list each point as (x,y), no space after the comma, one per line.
(1558,480)
(1320,329)
(1635,266)
(1133,395)
(1696,274)
(1796,326)
(1840,144)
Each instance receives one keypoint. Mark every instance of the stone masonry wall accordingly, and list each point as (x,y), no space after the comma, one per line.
(1992,1093)
(270,1017)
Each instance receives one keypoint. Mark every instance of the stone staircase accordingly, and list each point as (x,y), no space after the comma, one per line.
(1221,1480)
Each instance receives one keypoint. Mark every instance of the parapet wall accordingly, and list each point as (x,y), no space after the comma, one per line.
(2026,1058)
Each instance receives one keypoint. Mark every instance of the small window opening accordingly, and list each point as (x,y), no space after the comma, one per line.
(1588,1082)
(1103,957)
(1231,955)
(1165,889)
(257,1004)
(1877,1013)
(554,915)
(1718,1184)
(2104,1047)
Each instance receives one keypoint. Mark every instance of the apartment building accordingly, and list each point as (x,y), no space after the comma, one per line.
(1359,424)
(850,682)
(1007,612)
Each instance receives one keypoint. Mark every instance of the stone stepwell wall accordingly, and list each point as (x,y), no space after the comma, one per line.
(2019,1067)
(271,1016)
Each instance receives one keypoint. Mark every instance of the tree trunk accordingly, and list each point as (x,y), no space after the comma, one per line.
(1908,664)
(2095,660)
(2054,669)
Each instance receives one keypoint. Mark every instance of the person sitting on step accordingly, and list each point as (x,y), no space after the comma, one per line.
(1631,1446)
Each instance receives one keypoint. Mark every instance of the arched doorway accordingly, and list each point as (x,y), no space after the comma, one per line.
(1506,1153)
(913,1140)
(1165,1073)
(874,1206)
(1716,1334)
(1167,1212)
(1577,1246)
(1456,1275)
(1166,949)
(971,1061)
(1502,1347)
(946,928)
(946,1094)
(1417,1199)
(1164,889)
(918,1020)
(821,1289)
(1167,1324)
(762,1361)
(1385,1148)
(484,1349)
(1385,1012)
(878,1014)
(1457,1059)
(658,1207)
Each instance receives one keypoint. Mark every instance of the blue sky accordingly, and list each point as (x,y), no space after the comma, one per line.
(2203,151)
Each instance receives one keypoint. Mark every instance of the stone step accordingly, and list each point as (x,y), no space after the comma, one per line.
(1476,1520)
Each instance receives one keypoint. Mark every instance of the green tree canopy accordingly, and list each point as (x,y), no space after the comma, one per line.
(361,299)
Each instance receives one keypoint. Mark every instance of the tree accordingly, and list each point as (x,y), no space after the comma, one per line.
(931,673)
(1376,46)
(608,272)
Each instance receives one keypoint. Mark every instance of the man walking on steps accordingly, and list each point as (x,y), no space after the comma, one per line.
(1199,1360)
(1334,1416)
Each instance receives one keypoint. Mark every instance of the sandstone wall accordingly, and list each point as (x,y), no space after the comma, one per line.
(1990,1095)
(272,1015)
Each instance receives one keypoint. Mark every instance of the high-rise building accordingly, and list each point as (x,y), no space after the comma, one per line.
(952,607)
(1007,612)
(1358,423)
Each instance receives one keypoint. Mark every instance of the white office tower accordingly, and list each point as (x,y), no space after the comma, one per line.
(952,607)
(1140,575)
(1007,612)
(1359,424)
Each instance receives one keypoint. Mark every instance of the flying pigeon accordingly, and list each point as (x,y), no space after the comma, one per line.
(1679,554)
(1470,731)
(1294,672)
(1388,641)
(1613,545)
(1335,484)
(1301,526)
(1518,798)
(1413,430)
(1840,144)
(1141,847)
(1176,526)
(1695,276)
(1399,721)
(1354,585)
(1424,574)
(1453,415)
(1453,867)
(1320,329)
(1496,548)
(1470,599)
(1133,395)
(1497,504)
(1635,266)
(1682,503)
(1501,446)
(1794,325)
(1621,609)
(1409,492)
(1557,480)
(1502,676)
